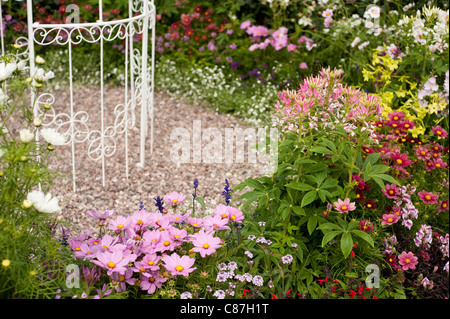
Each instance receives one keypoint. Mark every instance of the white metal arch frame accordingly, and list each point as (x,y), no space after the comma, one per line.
(139,80)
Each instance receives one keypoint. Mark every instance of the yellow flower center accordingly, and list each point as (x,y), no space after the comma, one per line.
(77,248)
(438,132)
(390,220)
(120,226)
(151,262)
(111,264)
(142,269)
(195,224)
(399,161)
(151,279)
(224,216)
(391,192)
(166,243)
(369,205)
(422,153)
(407,261)
(344,207)
(438,165)
(122,278)
(428,197)
(179,268)
(233,217)
(140,222)
(444,205)
(206,246)
(175,201)
(396,118)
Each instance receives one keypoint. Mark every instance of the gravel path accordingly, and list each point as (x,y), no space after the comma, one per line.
(159,176)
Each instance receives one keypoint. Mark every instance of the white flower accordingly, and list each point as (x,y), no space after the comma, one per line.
(6,70)
(374,12)
(39,60)
(26,136)
(44,203)
(51,136)
(327,13)
(355,42)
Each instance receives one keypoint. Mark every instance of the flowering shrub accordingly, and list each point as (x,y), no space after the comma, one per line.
(346,181)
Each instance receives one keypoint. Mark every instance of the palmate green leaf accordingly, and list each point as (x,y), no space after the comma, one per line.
(363,235)
(346,244)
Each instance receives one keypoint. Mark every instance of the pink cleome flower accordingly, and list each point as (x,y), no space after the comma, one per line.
(407,260)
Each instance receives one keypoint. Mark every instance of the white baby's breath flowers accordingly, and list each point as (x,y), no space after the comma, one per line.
(44,203)
(52,137)
(26,136)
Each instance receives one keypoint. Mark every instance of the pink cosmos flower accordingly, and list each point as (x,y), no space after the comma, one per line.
(422,153)
(438,163)
(291,47)
(344,206)
(174,198)
(391,191)
(119,224)
(151,282)
(246,24)
(400,159)
(177,265)
(216,222)
(303,65)
(366,225)
(122,280)
(407,260)
(235,214)
(221,210)
(439,131)
(96,215)
(196,222)
(389,219)
(113,262)
(205,243)
(443,206)
(428,197)
(396,116)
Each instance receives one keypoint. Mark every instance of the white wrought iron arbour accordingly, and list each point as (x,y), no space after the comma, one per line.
(139,79)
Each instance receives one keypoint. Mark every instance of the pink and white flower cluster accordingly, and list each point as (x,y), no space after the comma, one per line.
(323,102)
(150,246)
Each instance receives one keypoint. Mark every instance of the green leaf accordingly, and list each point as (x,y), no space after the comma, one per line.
(388,178)
(321,150)
(329,183)
(363,235)
(346,244)
(309,198)
(372,159)
(201,201)
(300,186)
(329,236)
(329,226)
(312,223)
(299,211)
(254,184)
